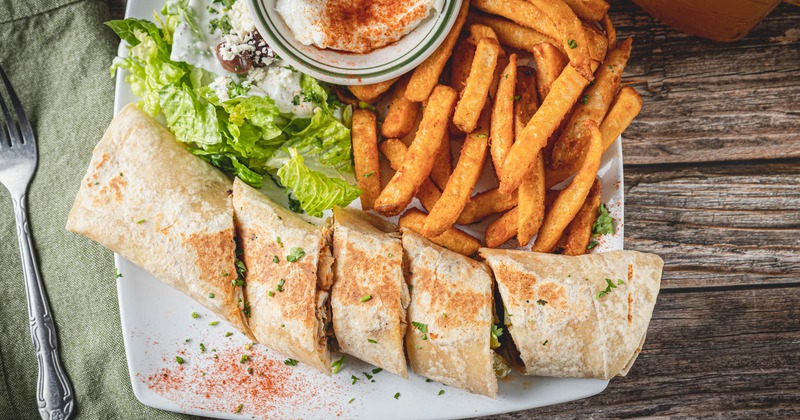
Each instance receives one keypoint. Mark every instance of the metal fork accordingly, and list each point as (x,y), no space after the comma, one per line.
(18,158)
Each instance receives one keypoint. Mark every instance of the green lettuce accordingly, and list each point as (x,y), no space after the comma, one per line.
(315,191)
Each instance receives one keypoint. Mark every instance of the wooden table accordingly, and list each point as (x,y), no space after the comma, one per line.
(712,184)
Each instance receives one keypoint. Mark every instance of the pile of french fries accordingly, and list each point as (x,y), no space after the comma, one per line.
(536,126)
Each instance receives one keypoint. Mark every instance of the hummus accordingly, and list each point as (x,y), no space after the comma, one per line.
(357,26)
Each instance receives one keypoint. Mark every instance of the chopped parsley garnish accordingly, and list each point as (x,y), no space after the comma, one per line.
(240,268)
(118,274)
(541,302)
(244,358)
(351,400)
(397,396)
(271,293)
(482,136)
(423,328)
(372,341)
(179,360)
(296,100)
(428,380)
(497,332)
(237,282)
(517,97)
(369,174)
(295,205)
(140,221)
(365,105)
(211,295)
(280,285)
(376,371)
(365,298)
(545,342)
(290,362)
(239,409)
(572,44)
(585,99)
(202,348)
(278,241)
(609,286)
(354,378)
(441,391)
(246,309)
(187,340)
(275,259)
(337,365)
(591,245)
(195,315)
(213,323)
(228,334)
(295,254)
(367,375)
(604,224)
(223,24)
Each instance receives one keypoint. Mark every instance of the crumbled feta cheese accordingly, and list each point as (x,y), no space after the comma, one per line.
(233,45)
(241,21)
(220,87)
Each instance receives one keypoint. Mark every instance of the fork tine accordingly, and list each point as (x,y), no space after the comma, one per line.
(22,119)
(10,133)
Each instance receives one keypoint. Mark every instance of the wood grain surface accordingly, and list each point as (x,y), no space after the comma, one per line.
(712,184)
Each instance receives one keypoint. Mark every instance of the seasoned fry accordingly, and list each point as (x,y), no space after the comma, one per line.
(463,54)
(371,93)
(592,10)
(626,107)
(426,75)
(526,99)
(452,239)
(502,229)
(571,199)
(395,151)
(485,204)
(481,74)
(552,18)
(365,156)
(502,124)
(419,159)
(530,202)
(477,32)
(511,34)
(593,106)
(611,33)
(461,183)
(522,156)
(402,113)
(598,43)
(549,65)
(443,163)
(579,230)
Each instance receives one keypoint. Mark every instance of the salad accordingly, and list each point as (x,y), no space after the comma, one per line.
(224,93)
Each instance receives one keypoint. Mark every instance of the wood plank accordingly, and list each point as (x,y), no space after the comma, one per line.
(726,354)
(707,101)
(732,224)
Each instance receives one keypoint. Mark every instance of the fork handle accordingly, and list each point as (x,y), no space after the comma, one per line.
(54,395)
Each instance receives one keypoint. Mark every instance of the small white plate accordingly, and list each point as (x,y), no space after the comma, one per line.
(157,322)
(354,69)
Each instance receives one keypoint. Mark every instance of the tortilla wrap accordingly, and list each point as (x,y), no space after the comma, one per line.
(451,300)
(148,199)
(369,296)
(564,316)
(288,299)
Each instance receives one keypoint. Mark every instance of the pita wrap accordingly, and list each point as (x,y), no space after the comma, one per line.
(288,277)
(148,199)
(577,317)
(450,317)
(369,296)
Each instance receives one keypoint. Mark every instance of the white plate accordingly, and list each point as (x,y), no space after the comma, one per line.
(157,321)
(354,69)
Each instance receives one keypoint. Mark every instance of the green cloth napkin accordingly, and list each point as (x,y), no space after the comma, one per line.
(57,54)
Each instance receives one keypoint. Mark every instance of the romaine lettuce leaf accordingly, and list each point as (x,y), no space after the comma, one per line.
(190,119)
(315,191)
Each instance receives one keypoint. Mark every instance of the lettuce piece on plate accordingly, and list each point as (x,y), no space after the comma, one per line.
(315,190)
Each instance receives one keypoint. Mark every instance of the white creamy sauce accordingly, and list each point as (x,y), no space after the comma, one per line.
(276,80)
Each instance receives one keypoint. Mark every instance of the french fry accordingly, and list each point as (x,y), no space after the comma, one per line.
(530,202)
(526,99)
(402,113)
(522,156)
(503,229)
(371,93)
(477,32)
(592,10)
(443,163)
(395,151)
(549,65)
(552,18)
(511,34)
(571,199)
(579,230)
(461,183)
(502,124)
(598,43)
(426,76)
(463,54)
(452,238)
(365,156)
(611,33)
(593,106)
(481,74)
(626,107)
(485,204)
(419,159)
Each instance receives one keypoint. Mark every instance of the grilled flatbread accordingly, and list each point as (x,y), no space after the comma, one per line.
(288,277)
(450,317)
(148,199)
(370,296)
(577,317)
